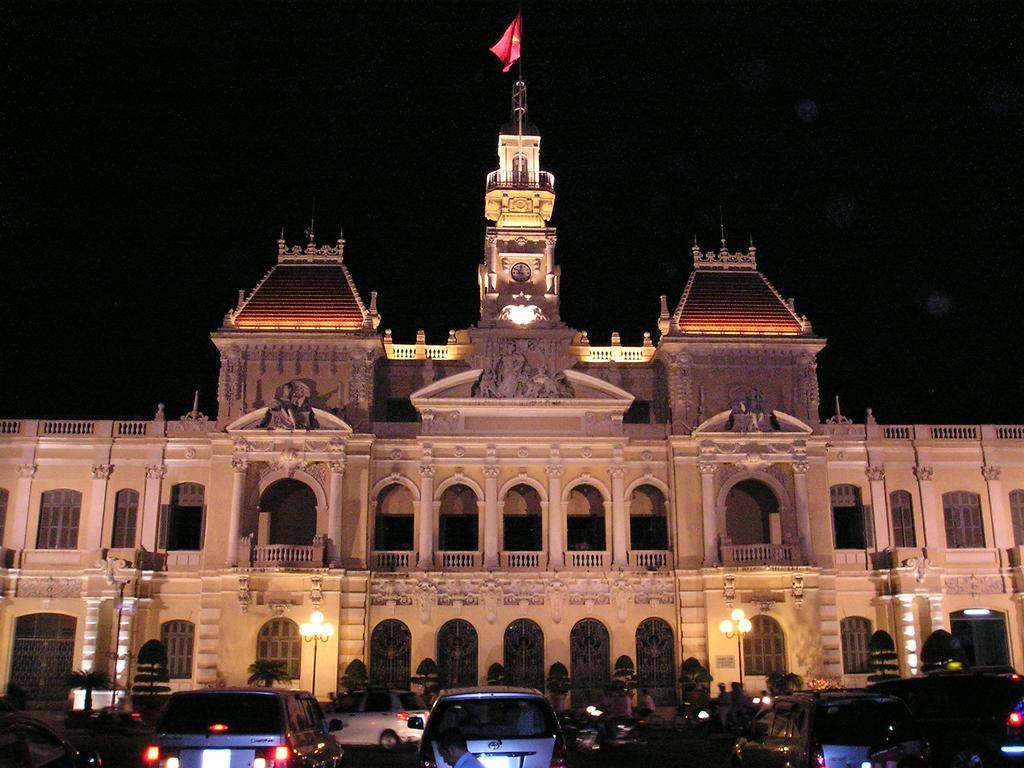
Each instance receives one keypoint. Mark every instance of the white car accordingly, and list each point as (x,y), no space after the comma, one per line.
(378,717)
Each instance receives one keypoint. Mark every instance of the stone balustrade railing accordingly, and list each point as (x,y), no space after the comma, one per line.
(117,428)
(586,559)
(460,561)
(759,554)
(287,555)
(521,560)
(393,560)
(649,559)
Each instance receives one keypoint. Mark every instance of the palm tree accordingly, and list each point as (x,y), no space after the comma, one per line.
(91,680)
(267,672)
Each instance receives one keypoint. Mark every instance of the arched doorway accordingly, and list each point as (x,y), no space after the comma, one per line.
(585,519)
(44,646)
(982,633)
(748,507)
(656,660)
(456,654)
(458,523)
(589,658)
(648,524)
(393,529)
(390,652)
(522,520)
(292,508)
(524,653)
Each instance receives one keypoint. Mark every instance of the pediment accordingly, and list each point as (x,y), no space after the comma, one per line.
(325,421)
(734,422)
(464,388)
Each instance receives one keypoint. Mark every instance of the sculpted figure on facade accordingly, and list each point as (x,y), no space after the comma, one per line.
(292,410)
(519,370)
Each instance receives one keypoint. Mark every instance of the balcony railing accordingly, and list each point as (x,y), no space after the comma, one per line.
(519,180)
(288,555)
(521,560)
(650,559)
(394,560)
(587,559)
(759,554)
(460,561)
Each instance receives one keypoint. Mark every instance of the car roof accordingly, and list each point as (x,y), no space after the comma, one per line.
(240,689)
(489,691)
(835,697)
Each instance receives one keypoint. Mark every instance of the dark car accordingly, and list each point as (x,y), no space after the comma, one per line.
(835,729)
(27,743)
(971,719)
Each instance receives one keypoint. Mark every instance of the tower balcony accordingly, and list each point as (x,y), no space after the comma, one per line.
(520,180)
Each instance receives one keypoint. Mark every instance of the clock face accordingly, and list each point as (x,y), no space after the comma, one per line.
(521,272)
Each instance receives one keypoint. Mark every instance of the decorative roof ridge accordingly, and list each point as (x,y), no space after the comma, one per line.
(723,259)
(678,314)
(311,253)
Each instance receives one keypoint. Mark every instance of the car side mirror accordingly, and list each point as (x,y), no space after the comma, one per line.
(415,723)
(334,724)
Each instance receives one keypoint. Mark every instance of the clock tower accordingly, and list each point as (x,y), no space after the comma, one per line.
(519,281)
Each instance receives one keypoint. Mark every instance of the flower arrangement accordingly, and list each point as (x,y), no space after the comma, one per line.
(822,683)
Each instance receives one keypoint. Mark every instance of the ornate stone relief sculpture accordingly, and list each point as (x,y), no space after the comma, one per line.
(521,368)
(292,410)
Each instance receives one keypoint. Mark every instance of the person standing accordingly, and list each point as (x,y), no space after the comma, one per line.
(453,749)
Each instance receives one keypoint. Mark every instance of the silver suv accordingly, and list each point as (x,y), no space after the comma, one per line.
(379,717)
(243,727)
(503,727)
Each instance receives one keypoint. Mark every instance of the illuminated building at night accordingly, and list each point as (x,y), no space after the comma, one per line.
(517,494)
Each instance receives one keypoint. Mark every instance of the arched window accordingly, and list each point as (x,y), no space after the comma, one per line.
(456,654)
(589,658)
(183,519)
(1017,516)
(520,169)
(524,653)
(390,653)
(126,513)
(292,507)
(849,525)
(648,526)
(854,634)
(962,513)
(393,527)
(901,506)
(458,528)
(764,647)
(4,496)
(58,519)
(522,520)
(585,519)
(748,509)
(983,637)
(178,638)
(279,640)
(656,660)
(44,647)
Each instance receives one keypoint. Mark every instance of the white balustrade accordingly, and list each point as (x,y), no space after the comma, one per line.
(954,432)
(282,555)
(651,559)
(587,559)
(67,427)
(760,554)
(898,432)
(521,560)
(1010,432)
(131,428)
(459,561)
(10,427)
(392,560)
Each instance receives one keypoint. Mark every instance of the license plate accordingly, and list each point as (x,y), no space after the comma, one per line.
(216,758)
(496,761)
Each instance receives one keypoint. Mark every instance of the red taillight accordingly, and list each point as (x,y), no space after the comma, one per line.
(152,754)
(559,756)
(218,728)
(281,754)
(1015,720)
(818,757)
(403,716)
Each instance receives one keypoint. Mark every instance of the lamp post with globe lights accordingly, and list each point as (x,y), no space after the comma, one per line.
(316,631)
(737,626)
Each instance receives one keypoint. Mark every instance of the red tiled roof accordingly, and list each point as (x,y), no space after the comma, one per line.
(305,297)
(734,302)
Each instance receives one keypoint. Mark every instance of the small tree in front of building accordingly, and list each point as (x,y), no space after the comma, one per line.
(496,674)
(624,674)
(151,672)
(558,682)
(427,677)
(942,651)
(692,673)
(882,657)
(89,681)
(355,677)
(267,672)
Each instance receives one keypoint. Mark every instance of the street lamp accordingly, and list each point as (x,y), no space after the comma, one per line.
(737,627)
(315,631)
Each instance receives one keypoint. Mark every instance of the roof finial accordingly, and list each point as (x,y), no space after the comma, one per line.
(721,225)
(519,105)
(341,234)
(310,233)
(281,238)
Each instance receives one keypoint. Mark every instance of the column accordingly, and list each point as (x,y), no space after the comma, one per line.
(240,466)
(803,512)
(18,523)
(1002,533)
(151,505)
(908,640)
(620,543)
(92,618)
(425,556)
(931,515)
(334,512)
(93,538)
(556,523)
(935,611)
(707,503)
(490,516)
(123,645)
(879,506)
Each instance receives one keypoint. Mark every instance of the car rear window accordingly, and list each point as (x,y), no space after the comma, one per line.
(942,696)
(412,701)
(863,723)
(504,718)
(242,713)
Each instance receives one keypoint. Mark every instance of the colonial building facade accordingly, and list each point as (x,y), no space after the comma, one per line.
(515,495)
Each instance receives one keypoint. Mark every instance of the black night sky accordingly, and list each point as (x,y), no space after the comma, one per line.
(153,151)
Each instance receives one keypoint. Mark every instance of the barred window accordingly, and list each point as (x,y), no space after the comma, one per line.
(178,638)
(279,640)
(855,632)
(962,512)
(126,512)
(764,647)
(58,519)
(901,506)
(1017,516)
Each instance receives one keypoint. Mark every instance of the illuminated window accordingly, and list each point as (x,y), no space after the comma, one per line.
(962,513)
(126,511)
(58,519)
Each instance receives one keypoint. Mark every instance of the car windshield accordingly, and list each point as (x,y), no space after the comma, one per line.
(242,713)
(412,701)
(866,722)
(492,718)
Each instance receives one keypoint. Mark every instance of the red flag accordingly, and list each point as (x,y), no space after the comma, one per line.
(507,49)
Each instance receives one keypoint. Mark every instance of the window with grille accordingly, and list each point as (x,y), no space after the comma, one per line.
(854,633)
(4,496)
(962,513)
(1016,516)
(764,647)
(178,638)
(58,519)
(126,512)
(279,640)
(901,507)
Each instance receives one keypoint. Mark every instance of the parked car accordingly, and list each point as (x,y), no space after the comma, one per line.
(105,719)
(27,743)
(971,719)
(832,729)
(230,727)
(503,726)
(379,717)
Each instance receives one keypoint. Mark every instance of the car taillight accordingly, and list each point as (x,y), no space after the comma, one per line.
(818,757)
(403,716)
(272,757)
(281,754)
(152,754)
(1015,720)
(217,728)
(559,756)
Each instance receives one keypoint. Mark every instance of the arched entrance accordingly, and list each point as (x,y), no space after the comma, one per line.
(982,633)
(390,652)
(748,508)
(291,505)
(588,654)
(456,654)
(524,653)
(44,646)
(656,660)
